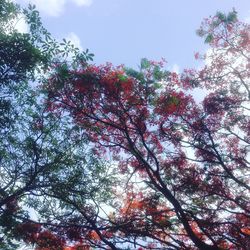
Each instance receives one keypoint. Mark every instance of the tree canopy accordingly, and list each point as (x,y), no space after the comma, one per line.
(105,157)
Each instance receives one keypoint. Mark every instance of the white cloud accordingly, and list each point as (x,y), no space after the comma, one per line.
(21,26)
(55,7)
(74,40)
(176,68)
(82,2)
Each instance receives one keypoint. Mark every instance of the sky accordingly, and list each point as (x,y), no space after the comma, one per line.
(124,31)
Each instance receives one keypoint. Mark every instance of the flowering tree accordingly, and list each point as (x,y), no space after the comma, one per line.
(185,163)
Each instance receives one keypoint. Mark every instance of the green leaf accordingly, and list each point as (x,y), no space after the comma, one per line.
(209,38)
(232,17)
(145,64)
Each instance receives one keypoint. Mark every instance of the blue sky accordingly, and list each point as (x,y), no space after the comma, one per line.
(124,31)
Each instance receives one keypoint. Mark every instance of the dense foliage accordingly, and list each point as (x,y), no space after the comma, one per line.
(40,156)
(104,157)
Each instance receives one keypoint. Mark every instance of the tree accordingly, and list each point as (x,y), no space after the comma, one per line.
(40,157)
(191,159)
